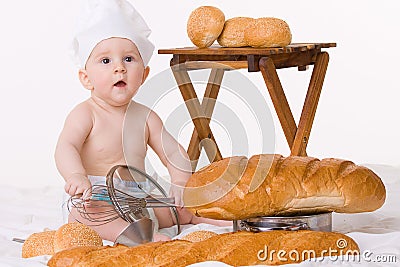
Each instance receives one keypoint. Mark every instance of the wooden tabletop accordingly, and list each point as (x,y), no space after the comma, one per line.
(294,55)
(218,50)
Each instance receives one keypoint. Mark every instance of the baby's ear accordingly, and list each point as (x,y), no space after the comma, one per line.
(145,73)
(83,77)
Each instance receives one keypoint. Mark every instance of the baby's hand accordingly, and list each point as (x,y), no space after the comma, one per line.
(176,192)
(78,184)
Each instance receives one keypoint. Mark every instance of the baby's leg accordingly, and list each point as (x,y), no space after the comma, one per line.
(166,219)
(190,218)
(111,230)
(160,237)
(108,231)
(197,220)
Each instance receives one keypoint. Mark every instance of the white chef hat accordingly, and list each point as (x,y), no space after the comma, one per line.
(103,19)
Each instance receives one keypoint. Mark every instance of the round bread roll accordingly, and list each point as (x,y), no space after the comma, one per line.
(204,25)
(198,236)
(233,33)
(38,244)
(75,234)
(268,32)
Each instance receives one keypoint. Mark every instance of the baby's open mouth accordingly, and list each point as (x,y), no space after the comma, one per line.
(120,84)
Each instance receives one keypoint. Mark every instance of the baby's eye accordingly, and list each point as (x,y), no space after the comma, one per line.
(128,59)
(105,60)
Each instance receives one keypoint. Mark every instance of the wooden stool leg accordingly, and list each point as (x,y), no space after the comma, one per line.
(207,107)
(200,121)
(310,105)
(278,98)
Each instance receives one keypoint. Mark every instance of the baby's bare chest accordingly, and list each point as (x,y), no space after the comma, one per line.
(108,141)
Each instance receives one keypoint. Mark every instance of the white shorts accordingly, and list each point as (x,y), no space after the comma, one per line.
(130,187)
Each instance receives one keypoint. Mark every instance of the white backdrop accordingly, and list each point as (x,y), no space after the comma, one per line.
(357,117)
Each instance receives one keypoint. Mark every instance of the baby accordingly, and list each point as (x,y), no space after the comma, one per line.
(114,51)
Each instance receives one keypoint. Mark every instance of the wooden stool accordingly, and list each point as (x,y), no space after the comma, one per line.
(265,60)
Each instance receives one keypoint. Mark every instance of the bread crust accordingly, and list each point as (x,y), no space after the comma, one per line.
(204,25)
(198,236)
(37,244)
(71,256)
(232,34)
(268,32)
(75,234)
(69,235)
(272,185)
(236,249)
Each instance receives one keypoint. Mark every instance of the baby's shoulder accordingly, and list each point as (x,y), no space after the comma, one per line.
(85,105)
(139,110)
(83,109)
(135,106)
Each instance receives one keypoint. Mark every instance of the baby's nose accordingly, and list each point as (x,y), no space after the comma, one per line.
(120,68)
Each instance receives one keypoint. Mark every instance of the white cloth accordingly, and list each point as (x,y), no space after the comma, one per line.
(102,19)
(26,210)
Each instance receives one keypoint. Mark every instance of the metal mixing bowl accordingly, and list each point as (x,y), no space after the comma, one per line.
(317,222)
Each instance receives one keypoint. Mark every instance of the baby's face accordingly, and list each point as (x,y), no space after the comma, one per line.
(115,71)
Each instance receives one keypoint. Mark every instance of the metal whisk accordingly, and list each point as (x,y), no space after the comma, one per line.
(130,203)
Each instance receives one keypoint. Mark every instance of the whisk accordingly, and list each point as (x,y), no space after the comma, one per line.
(107,203)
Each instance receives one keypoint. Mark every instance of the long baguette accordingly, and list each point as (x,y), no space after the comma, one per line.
(268,185)
(236,249)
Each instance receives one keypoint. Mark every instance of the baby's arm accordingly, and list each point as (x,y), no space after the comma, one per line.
(177,161)
(67,155)
(171,154)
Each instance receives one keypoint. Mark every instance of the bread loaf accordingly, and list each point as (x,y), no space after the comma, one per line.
(236,249)
(267,185)
(37,244)
(75,234)
(268,32)
(233,32)
(167,253)
(198,236)
(69,235)
(204,25)
(71,256)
